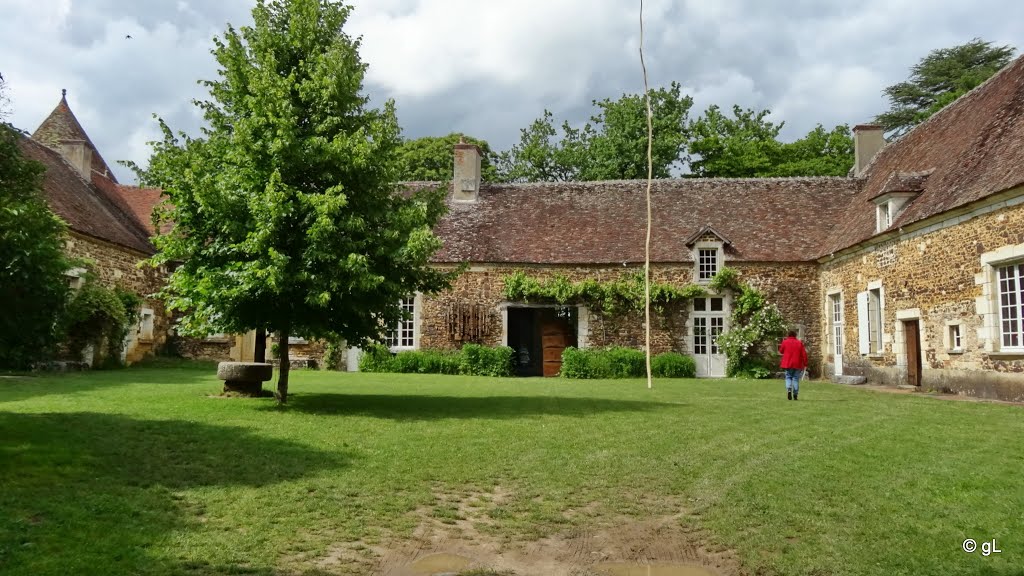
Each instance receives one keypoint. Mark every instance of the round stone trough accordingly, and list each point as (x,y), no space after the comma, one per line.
(244,378)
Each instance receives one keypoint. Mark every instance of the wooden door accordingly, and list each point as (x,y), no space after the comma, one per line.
(554,339)
(911,336)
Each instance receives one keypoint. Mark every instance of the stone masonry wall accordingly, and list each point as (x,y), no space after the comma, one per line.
(117,266)
(937,278)
(792,287)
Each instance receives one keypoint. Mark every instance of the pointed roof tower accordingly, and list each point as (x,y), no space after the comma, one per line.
(61,127)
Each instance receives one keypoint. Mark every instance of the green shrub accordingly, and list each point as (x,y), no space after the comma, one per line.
(615,362)
(626,362)
(376,358)
(575,364)
(673,365)
(406,362)
(98,315)
(334,352)
(439,362)
(480,360)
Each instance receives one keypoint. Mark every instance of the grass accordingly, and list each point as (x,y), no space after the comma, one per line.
(141,471)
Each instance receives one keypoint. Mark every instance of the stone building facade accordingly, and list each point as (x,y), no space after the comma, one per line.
(908,271)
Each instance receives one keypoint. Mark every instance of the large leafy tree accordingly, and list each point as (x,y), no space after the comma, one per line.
(32,262)
(746,145)
(820,153)
(611,146)
(743,145)
(939,78)
(285,212)
(431,158)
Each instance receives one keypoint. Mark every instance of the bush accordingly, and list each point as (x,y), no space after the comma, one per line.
(98,315)
(615,362)
(439,362)
(473,359)
(575,364)
(480,360)
(627,362)
(673,365)
(376,358)
(406,362)
(334,353)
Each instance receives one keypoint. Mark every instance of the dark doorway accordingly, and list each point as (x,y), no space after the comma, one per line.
(911,335)
(538,336)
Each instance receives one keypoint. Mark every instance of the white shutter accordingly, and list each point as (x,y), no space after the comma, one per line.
(863,330)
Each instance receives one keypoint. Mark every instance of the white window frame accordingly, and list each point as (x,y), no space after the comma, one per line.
(871,320)
(1007,305)
(954,337)
(406,333)
(699,271)
(883,217)
(836,322)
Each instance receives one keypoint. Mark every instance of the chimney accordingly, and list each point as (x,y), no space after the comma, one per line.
(867,142)
(467,172)
(79,154)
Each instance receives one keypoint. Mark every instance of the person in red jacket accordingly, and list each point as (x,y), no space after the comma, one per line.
(794,362)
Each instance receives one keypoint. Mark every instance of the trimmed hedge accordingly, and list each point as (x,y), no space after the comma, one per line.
(473,360)
(673,365)
(619,362)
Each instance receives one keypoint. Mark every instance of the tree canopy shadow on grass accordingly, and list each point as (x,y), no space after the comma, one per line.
(425,407)
(87,493)
(28,386)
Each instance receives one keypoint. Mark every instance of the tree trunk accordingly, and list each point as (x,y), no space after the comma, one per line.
(282,376)
(260,354)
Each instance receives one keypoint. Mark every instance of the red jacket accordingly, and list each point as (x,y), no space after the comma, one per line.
(794,355)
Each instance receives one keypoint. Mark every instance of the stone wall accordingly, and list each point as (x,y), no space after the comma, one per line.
(117,266)
(792,287)
(935,276)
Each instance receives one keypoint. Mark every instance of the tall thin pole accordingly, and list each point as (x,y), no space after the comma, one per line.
(650,178)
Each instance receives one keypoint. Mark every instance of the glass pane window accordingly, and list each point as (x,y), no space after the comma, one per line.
(954,337)
(403,336)
(700,304)
(700,335)
(1011,305)
(837,323)
(707,263)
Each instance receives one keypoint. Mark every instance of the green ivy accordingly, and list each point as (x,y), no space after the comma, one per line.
(748,345)
(98,315)
(611,297)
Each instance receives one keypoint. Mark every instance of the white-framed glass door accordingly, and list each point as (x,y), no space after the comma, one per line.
(708,320)
(835,302)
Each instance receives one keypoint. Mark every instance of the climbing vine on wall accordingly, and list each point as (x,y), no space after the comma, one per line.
(611,297)
(756,324)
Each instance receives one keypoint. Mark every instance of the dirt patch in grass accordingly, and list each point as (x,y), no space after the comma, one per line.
(460,527)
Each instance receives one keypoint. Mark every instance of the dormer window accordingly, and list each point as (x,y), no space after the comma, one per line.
(707,263)
(898,191)
(708,252)
(888,207)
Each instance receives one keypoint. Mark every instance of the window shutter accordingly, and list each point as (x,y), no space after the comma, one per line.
(863,332)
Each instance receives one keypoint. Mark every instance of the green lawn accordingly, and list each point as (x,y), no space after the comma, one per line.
(141,471)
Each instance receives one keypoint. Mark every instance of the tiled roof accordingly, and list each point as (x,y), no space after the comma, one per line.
(62,124)
(85,208)
(767,219)
(973,148)
(138,203)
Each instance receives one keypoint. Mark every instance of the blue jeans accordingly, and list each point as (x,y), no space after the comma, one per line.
(793,379)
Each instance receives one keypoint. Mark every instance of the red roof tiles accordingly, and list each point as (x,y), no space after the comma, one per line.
(82,205)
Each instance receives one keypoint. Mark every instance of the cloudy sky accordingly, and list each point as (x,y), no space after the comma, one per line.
(488,68)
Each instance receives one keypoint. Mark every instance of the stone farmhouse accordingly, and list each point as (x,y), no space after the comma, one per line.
(908,271)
